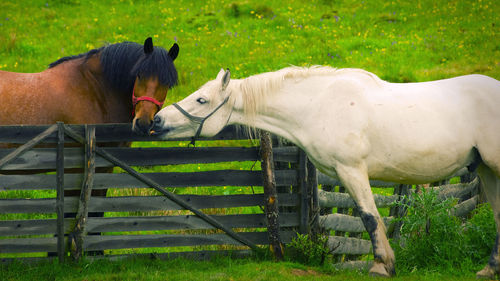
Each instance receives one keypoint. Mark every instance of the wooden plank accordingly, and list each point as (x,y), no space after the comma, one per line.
(182,155)
(143,223)
(119,132)
(459,190)
(141,203)
(350,246)
(15,153)
(327,180)
(28,245)
(60,192)
(346,223)
(124,180)
(96,243)
(183,222)
(44,158)
(37,158)
(192,255)
(344,200)
(23,133)
(104,133)
(31,205)
(29,227)
(464,208)
(288,154)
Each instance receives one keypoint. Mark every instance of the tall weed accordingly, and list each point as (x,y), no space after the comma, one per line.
(434,240)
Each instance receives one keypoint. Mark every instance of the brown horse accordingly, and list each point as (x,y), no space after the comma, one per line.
(118,83)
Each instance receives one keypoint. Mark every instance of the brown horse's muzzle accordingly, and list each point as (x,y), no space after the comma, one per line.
(143,119)
(142,126)
(144,110)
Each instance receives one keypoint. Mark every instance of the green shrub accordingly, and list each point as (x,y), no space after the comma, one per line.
(432,239)
(309,251)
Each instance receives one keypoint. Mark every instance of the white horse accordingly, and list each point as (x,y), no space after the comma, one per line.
(357,127)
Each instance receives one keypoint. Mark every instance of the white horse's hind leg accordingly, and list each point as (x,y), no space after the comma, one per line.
(491,186)
(357,184)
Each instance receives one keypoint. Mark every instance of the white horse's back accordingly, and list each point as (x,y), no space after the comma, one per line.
(411,132)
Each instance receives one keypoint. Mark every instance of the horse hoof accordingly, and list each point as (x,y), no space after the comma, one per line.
(379,270)
(486,273)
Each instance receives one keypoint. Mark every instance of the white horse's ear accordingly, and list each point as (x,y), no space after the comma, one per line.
(220,74)
(225,79)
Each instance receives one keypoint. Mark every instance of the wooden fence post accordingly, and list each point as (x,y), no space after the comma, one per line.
(82,214)
(339,257)
(270,194)
(60,191)
(402,191)
(312,186)
(304,194)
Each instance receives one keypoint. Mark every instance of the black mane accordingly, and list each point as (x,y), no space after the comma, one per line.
(123,62)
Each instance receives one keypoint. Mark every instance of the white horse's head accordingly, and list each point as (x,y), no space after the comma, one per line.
(203,113)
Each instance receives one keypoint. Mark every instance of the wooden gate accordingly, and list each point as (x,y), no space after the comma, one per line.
(165,222)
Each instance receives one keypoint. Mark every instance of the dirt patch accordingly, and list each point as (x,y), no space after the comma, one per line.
(301,272)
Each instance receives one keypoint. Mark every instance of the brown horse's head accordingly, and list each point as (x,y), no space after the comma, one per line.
(154,75)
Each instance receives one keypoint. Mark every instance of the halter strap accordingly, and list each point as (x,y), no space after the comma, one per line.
(136,100)
(199,120)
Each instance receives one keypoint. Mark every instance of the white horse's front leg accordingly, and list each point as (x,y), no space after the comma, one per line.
(355,179)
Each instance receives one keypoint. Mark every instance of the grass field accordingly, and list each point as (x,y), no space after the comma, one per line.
(400,41)
(218,269)
(397,40)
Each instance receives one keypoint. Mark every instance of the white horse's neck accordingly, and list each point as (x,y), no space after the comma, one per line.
(282,114)
(294,102)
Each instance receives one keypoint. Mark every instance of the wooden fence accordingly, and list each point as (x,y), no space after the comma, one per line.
(31,227)
(166,223)
(339,218)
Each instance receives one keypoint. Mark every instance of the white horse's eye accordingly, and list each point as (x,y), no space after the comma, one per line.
(201,100)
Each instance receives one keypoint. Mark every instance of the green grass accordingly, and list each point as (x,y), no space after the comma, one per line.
(400,41)
(181,269)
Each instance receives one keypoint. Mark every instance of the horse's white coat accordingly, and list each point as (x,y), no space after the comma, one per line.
(356,126)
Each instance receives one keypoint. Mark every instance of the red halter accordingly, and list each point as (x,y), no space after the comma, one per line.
(136,100)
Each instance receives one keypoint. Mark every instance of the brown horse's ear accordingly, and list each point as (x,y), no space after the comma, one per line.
(148,46)
(174,51)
